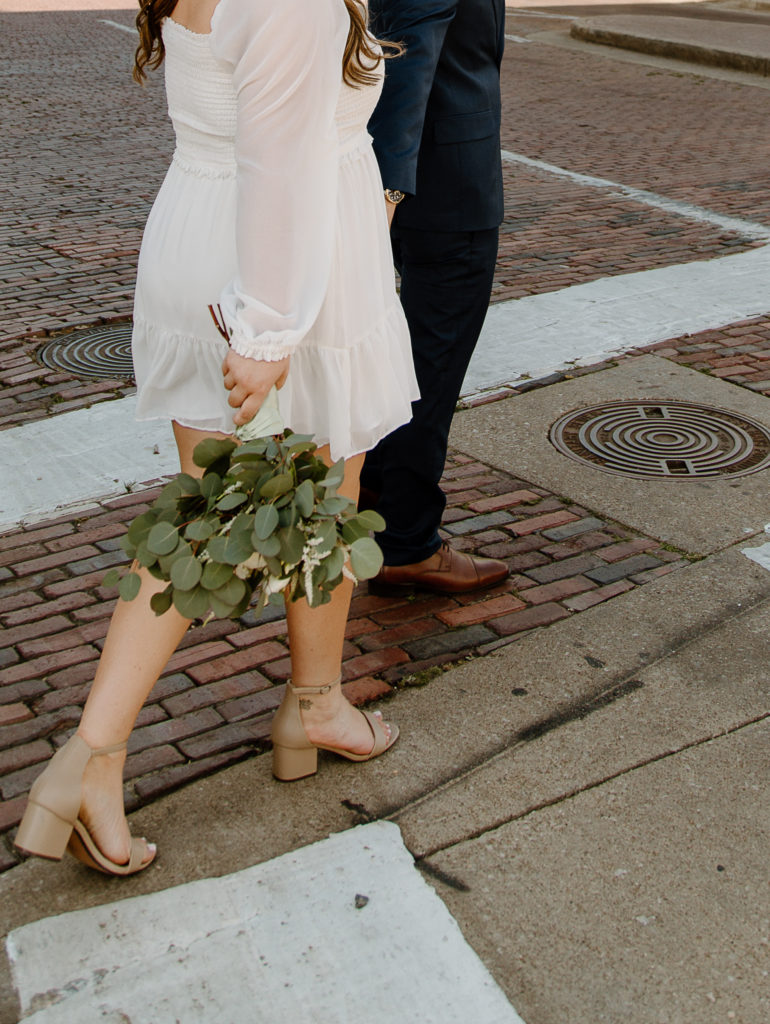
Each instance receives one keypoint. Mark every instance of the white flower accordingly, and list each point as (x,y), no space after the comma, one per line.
(274,586)
(244,569)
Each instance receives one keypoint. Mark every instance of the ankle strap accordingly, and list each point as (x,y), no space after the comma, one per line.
(113,749)
(311,690)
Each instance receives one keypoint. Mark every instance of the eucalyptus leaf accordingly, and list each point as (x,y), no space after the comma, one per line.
(334,562)
(352,531)
(292,542)
(215,575)
(327,532)
(144,556)
(211,450)
(304,499)
(268,547)
(130,586)
(265,521)
(161,602)
(231,501)
(192,604)
(334,505)
(277,485)
(111,578)
(211,486)
(370,520)
(232,593)
(162,539)
(201,529)
(365,558)
(186,573)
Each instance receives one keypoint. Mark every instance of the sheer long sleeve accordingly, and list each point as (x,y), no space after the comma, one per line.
(287,60)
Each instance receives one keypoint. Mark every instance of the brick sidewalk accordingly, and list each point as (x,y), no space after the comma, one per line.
(213,704)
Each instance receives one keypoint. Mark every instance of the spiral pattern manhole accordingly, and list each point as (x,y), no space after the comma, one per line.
(103,351)
(663,439)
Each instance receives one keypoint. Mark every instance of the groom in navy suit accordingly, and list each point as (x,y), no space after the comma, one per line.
(436,134)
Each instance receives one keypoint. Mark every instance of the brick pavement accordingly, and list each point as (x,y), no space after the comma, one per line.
(82,165)
(213,705)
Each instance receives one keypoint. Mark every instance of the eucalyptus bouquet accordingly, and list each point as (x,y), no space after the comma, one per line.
(264,521)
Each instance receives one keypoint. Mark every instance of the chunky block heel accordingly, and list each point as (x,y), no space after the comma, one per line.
(294,756)
(289,765)
(43,833)
(51,822)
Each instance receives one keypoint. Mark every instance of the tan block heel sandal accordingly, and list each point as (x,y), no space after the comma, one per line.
(294,756)
(51,823)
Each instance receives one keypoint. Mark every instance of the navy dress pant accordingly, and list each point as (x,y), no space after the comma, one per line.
(446,281)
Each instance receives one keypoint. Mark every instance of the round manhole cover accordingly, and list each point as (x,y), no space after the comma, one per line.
(103,351)
(663,439)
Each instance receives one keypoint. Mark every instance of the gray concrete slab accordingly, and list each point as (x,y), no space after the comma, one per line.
(265,945)
(641,901)
(712,685)
(696,515)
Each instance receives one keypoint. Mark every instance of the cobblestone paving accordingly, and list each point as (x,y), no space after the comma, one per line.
(213,705)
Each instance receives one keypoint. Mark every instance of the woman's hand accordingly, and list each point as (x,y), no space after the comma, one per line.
(249,380)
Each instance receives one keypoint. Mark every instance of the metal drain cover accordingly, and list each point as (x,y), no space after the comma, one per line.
(103,351)
(663,439)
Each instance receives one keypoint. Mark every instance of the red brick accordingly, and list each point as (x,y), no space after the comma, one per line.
(14,555)
(451,487)
(69,585)
(173,729)
(173,777)
(21,600)
(589,599)
(32,630)
(560,589)
(12,713)
(194,655)
(543,522)
(252,706)
(360,627)
(32,535)
(72,637)
(482,611)
(278,671)
(631,547)
(215,693)
(51,561)
(416,609)
(540,615)
(498,501)
(150,760)
(662,570)
(231,664)
(11,812)
(365,604)
(398,634)
(374,661)
(40,667)
(361,691)
(267,631)
(14,758)
(234,734)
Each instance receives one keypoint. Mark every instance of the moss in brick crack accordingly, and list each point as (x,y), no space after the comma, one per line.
(424,676)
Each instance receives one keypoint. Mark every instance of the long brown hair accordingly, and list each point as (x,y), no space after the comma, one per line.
(359,62)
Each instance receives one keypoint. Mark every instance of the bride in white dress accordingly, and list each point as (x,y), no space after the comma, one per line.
(272,208)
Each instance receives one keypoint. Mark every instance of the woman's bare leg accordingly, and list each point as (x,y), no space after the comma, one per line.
(316,637)
(138,646)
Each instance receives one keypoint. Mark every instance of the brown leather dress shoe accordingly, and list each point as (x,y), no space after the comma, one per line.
(445,572)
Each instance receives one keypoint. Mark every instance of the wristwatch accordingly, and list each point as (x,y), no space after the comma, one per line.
(394,195)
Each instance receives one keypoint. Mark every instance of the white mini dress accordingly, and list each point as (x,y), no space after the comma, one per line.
(273,209)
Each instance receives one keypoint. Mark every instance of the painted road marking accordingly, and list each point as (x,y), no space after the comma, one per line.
(747,228)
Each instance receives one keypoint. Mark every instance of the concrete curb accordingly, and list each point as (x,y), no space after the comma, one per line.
(669,38)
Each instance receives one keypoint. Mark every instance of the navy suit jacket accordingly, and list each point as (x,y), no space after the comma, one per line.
(436,128)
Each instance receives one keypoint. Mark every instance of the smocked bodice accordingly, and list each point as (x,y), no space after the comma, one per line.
(202,104)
